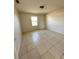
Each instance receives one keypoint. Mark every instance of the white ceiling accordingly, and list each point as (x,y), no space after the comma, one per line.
(32,6)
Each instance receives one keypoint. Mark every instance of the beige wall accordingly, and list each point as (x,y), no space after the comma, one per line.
(17,34)
(55,20)
(26,25)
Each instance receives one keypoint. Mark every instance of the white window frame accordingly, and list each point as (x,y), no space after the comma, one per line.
(34,20)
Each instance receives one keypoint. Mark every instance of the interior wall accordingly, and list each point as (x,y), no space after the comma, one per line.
(26,25)
(17,33)
(55,21)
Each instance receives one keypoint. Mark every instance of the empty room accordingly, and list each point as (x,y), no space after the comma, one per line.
(39,29)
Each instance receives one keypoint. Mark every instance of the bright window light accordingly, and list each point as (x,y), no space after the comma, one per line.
(34,20)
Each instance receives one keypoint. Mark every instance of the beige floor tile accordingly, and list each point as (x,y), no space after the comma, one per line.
(55,52)
(60,46)
(43,47)
(53,40)
(23,50)
(33,54)
(62,57)
(30,47)
(23,57)
(26,41)
(42,43)
(47,55)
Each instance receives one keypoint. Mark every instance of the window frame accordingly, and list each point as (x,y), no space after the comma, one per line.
(34,21)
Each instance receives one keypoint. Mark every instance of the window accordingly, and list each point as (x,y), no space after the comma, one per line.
(34,20)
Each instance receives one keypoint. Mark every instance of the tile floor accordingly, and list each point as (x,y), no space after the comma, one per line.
(42,44)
